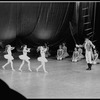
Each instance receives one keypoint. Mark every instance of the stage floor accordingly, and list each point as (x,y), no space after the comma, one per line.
(63,80)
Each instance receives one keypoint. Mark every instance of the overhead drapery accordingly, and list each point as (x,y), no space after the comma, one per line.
(35,23)
(49,19)
(7,21)
(38,23)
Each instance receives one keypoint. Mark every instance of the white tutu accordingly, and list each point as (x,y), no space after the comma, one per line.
(24,57)
(81,56)
(42,59)
(65,55)
(8,57)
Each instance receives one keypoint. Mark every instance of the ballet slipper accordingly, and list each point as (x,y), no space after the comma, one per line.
(20,70)
(30,70)
(3,67)
(13,69)
(45,71)
(36,69)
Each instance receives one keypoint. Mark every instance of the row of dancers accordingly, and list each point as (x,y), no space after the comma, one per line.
(44,52)
(90,54)
(25,58)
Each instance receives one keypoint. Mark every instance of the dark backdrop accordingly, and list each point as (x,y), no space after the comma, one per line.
(37,23)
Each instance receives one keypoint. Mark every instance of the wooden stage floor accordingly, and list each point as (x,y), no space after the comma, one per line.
(63,80)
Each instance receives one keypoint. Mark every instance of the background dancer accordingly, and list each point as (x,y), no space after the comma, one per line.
(95,57)
(24,57)
(75,56)
(60,53)
(65,51)
(9,56)
(47,54)
(42,58)
(81,56)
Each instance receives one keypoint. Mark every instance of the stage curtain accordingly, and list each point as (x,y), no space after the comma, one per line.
(34,23)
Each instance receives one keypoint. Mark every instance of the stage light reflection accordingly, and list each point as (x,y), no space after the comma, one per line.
(8,33)
(44,34)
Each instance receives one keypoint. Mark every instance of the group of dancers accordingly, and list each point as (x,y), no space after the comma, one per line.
(77,54)
(91,55)
(25,58)
(62,52)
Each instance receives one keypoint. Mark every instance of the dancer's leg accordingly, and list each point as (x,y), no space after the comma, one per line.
(28,65)
(5,64)
(43,64)
(39,67)
(21,65)
(12,65)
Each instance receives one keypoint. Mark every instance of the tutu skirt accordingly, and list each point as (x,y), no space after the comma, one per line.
(23,57)
(81,56)
(8,57)
(65,55)
(42,59)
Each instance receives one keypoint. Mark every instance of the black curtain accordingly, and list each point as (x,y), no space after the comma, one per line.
(38,23)
(97,26)
(34,23)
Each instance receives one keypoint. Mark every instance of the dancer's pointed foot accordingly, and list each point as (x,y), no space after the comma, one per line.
(20,70)
(3,67)
(30,70)
(45,71)
(36,69)
(13,69)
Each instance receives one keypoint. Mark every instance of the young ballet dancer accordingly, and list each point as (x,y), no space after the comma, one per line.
(9,56)
(60,53)
(24,57)
(47,54)
(42,58)
(88,52)
(65,54)
(75,56)
(80,53)
(95,57)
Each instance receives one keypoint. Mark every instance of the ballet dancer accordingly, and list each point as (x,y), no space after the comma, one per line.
(95,57)
(88,45)
(75,56)
(81,56)
(47,54)
(42,58)
(24,57)
(65,54)
(9,56)
(60,53)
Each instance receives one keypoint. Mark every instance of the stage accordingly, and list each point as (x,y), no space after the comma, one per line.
(64,79)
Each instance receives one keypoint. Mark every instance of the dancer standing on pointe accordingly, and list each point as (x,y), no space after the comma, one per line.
(24,57)
(88,52)
(9,56)
(42,58)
